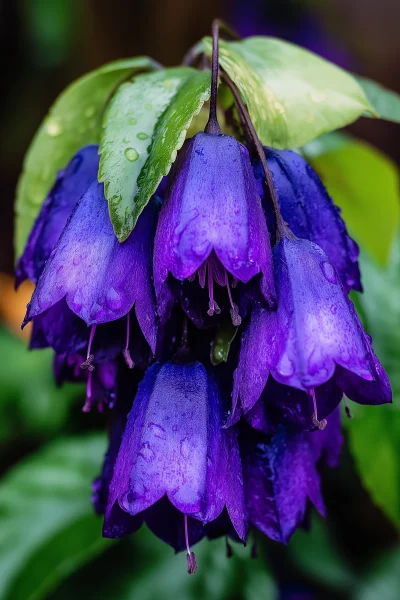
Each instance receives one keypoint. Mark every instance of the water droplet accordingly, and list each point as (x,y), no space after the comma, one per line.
(168,83)
(132,121)
(158,431)
(131,154)
(89,112)
(333,309)
(286,366)
(142,136)
(113,299)
(53,127)
(318,95)
(185,448)
(328,271)
(146,452)
(148,106)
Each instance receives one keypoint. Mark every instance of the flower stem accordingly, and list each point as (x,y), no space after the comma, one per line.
(282,229)
(212,126)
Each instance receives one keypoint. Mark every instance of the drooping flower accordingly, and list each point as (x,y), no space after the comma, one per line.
(174,449)
(91,274)
(212,223)
(313,337)
(310,212)
(71,183)
(280,478)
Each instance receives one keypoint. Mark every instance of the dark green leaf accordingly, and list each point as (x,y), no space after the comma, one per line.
(292,94)
(382,580)
(148,569)
(144,127)
(386,103)
(374,432)
(74,120)
(316,554)
(364,182)
(47,528)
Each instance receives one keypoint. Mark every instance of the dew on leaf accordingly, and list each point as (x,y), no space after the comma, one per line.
(89,112)
(142,136)
(132,121)
(53,127)
(148,106)
(131,154)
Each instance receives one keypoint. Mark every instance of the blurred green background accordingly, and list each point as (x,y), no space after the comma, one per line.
(50,542)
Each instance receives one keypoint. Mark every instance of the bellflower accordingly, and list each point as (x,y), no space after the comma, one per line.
(310,212)
(71,183)
(212,223)
(314,336)
(174,448)
(280,478)
(95,276)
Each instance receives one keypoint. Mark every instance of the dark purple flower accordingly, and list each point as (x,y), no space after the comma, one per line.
(313,337)
(100,278)
(174,447)
(310,212)
(280,478)
(212,223)
(70,185)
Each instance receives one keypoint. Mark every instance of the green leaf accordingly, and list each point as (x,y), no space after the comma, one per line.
(74,120)
(292,94)
(364,182)
(382,579)
(374,432)
(148,569)
(386,103)
(47,527)
(316,554)
(30,403)
(144,127)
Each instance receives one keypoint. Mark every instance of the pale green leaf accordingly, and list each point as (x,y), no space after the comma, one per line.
(47,525)
(73,121)
(386,103)
(144,127)
(364,182)
(292,94)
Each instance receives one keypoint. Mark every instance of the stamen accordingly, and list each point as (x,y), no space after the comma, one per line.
(214,308)
(125,352)
(236,318)
(347,408)
(190,557)
(319,424)
(88,363)
(88,402)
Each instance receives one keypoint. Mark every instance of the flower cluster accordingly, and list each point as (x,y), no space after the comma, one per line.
(197,449)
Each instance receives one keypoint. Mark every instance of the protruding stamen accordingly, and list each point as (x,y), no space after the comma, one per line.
(214,308)
(319,424)
(88,402)
(236,318)
(88,363)
(125,352)
(347,408)
(190,556)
